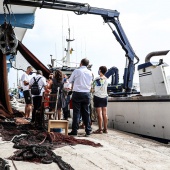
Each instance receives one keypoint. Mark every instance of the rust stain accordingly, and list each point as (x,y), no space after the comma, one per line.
(5,107)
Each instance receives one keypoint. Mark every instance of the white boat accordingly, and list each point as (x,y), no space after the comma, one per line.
(148,113)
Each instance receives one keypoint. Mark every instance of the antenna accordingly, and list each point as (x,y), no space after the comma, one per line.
(66,58)
(85,46)
(56,52)
(68,50)
(68,22)
(62,40)
(73,32)
(81,47)
(76,53)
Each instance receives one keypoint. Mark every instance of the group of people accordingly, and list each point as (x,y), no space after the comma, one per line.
(50,86)
(82,85)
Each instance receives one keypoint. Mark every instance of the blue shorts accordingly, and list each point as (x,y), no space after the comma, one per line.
(99,102)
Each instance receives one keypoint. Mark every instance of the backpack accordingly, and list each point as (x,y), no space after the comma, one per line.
(35,90)
(63,98)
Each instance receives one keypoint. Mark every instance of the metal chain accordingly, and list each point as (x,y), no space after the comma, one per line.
(5,15)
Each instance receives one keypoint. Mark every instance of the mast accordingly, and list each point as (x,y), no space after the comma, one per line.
(68,50)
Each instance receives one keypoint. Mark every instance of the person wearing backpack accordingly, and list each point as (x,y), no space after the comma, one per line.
(37,85)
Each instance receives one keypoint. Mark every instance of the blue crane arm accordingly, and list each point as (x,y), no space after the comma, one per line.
(130,54)
(109,16)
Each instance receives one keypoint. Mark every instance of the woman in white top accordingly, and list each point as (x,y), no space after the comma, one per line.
(100,99)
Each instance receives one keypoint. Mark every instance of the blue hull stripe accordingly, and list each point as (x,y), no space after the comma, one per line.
(19,20)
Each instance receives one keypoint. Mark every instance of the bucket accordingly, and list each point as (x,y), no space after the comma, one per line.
(59,130)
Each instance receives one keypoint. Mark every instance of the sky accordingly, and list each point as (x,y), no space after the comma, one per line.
(146,24)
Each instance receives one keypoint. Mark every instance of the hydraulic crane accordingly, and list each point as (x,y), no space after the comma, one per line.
(109,17)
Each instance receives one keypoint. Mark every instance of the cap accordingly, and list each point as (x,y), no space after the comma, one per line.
(39,72)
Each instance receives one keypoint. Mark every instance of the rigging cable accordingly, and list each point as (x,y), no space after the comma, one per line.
(10,60)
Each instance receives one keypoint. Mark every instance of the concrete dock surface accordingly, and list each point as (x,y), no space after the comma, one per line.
(120,151)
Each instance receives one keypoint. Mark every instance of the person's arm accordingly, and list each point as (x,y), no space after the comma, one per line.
(49,84)
(26,82)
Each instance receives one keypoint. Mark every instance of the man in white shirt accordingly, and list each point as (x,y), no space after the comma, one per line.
(81,79)
(38,98)
(26,91)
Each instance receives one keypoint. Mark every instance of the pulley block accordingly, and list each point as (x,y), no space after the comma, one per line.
(8,40)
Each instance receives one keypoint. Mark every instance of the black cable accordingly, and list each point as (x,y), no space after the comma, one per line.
(12,65)
(5,3)
(13,16)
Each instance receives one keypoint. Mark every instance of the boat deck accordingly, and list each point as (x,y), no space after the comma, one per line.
(120,151)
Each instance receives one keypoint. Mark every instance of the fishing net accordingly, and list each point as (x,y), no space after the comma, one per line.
(36,146)
(33,136)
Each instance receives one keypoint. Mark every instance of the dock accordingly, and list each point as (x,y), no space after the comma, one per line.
(120,151)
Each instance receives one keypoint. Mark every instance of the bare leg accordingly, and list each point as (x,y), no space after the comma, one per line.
(105,118)
(25,110)
(99,115)
(28,110)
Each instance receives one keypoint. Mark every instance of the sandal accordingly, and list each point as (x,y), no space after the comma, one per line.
(98,131)
(105,131)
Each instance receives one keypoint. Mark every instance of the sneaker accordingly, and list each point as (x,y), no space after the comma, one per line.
(72,134)
(87,134)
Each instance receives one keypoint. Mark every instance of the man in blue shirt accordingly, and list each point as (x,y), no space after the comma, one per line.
(81,79)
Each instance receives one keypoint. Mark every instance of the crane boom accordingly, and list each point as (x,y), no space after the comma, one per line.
(109,16)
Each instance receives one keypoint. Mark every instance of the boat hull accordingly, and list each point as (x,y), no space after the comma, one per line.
(148,116)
